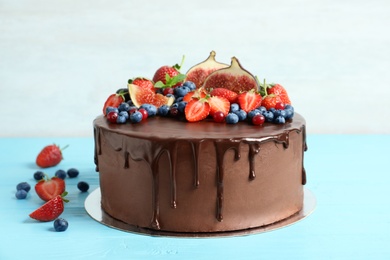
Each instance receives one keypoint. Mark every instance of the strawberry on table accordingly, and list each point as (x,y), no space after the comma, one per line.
(49,188)
(219,104)
(226,93)
(197,110)
(51,155)
(249,100)
(50,210)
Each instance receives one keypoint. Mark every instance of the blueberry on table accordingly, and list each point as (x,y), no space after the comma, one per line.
(83,186)
(23,186)
(60,225)
(38,175)
(60,174)
(72,172)
(21,194)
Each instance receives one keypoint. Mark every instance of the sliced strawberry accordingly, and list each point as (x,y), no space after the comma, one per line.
(196,110)
(142,82)
(226,93)
(249,100)
(114,100)
(50,210)
(270,101)
(199,93)
(219,104)
(49,188)
(51,155)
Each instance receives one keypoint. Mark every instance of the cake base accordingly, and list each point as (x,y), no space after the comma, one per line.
(93,208)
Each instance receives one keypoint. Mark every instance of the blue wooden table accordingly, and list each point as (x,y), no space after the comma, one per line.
(349,175)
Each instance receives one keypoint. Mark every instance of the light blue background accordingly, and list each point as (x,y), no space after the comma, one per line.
(59,60)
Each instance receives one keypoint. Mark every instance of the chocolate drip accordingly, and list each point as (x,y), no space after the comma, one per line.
(172,156)
(221,147)
(303,129)
(254,148)
(97,151)
(195,146)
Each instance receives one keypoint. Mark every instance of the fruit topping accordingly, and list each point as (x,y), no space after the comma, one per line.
(49,188)
(249,100)
(270,101)
(198,73)
(60,225)
(234,78)
(197,110)
(219,117)
(114,100)
(226,93)
(199,93)
(142,82)
(51,210)
(51,155)
(169,76)
(220,104)
(232,118)
(258,119)
(141,96)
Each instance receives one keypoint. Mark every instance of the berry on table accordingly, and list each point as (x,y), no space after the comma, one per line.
(39,175)
(60,225)
(23,186)
(73,172)
(47,189)
(60,174)
(231,118)
(49,211)
(83,186)
(21,194)
(51,155)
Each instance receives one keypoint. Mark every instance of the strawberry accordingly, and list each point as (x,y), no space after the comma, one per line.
(219,104)
(249,100)
(142,82)
(114,100)
(199,93)
(226,93)
(50,210)
(270,101)
(49,188)
(169,76)
(280,91)
(51,155)
(196,110)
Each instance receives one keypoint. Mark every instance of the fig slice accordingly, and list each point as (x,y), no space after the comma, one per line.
(200,71)
(234,78)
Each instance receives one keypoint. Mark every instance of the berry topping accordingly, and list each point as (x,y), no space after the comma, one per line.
(151,109)
(144,113)
(136,117)
(220,104)
(279,105)
(51,210)
(197,110)
(249,100)
(50,155)
(226,93)
(232,118)
(258,119)
(113,100)
(142,82)
(169,76)
(112,116)
(219,117)
(49,188)
(60,225)
(270,101)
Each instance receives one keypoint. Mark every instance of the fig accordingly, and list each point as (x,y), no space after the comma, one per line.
(200,71)
(140,96)
(234,78)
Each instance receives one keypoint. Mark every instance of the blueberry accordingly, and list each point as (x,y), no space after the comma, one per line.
(21,194)
(261,109)
(170,95)
(242,115)
(231,118)
(23,186)
(178,99)
(130,102)
(124,114)
(269,116)
(181,91)
(109,109)
(252,113)
(289,107)
(39,175)
(60,174)
(279,112)
(151,109)
(163,110)
(60,225)
(189,84)
(234,107)
(83,186)
(280,120)
(72,173)
(124,107)
(289,113)
(272,109)
(181,106)
(136,117)
(121,119)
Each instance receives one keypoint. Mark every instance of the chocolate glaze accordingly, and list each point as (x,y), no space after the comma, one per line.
(163,136)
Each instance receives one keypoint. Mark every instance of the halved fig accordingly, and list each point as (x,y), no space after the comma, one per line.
(234,78)
(140,96)
(199,72)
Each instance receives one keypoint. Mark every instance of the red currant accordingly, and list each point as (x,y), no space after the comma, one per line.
(173,112)
(258,119)
(279,105)
(144,113)
(168,91)
(112,116)
(219,117)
